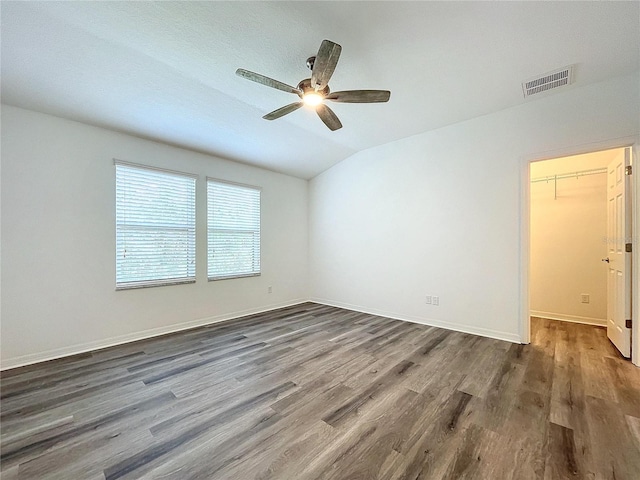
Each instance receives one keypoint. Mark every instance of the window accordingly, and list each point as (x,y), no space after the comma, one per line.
(233,230)
(155,227)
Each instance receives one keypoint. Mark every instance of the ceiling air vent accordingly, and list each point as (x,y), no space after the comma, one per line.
(542,83)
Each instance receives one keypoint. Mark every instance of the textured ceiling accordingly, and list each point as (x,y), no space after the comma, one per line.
(165,70)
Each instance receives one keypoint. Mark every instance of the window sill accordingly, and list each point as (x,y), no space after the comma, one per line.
(163,283)
(229,277)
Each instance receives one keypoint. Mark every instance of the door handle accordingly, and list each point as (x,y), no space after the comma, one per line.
(606,259)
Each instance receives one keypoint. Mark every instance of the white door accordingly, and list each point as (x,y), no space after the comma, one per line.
(619,261)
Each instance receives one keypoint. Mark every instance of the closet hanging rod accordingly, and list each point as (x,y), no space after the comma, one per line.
(581,173)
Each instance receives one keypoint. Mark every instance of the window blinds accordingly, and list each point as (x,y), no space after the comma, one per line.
(233,230)
(155,227)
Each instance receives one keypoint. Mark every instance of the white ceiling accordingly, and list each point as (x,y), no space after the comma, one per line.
(165,70)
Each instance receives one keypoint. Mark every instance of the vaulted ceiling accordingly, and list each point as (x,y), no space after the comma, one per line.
(165,70)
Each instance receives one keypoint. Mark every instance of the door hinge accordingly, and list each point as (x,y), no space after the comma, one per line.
(628,170)
(627,247)
(627,323)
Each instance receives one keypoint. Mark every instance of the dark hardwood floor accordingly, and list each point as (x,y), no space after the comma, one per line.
(312,391)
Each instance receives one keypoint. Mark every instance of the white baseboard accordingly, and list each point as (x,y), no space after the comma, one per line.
(569,318)
(483,332)
(23,360)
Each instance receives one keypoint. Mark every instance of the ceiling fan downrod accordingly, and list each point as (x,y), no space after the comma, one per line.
(310,62)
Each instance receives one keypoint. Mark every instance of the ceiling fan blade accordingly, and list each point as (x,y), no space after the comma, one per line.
(269,82)
(324,64)
(360,96)
(282,111)
(328,117)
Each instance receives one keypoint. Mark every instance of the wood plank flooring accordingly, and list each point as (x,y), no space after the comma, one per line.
(316,392)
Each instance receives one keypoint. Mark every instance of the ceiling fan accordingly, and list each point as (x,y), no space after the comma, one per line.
(315,90)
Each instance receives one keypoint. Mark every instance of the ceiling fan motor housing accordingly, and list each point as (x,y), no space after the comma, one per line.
(305,87)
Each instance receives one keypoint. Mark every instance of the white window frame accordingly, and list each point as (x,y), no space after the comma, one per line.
(188,217)
(256,230)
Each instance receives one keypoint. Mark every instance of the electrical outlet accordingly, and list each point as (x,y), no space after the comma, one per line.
(585,298)
(436,300)
(269,289)
(428,299)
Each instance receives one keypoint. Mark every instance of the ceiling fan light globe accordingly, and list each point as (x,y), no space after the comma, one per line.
(312,99)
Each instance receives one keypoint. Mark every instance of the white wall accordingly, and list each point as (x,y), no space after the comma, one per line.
(568,239)
(58,241)
(434,214)
(439,213)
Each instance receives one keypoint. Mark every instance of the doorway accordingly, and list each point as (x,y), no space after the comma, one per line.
(570,227)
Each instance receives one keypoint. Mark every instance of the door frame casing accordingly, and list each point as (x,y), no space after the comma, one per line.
(525,230)
(635,256)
